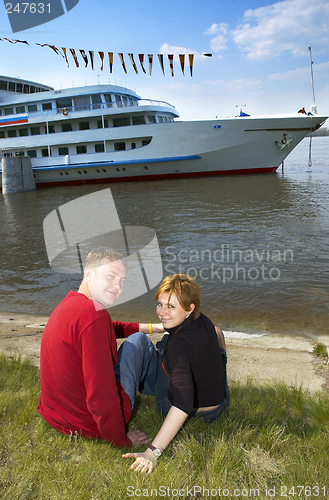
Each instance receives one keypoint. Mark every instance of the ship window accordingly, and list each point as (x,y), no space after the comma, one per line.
(46,105)
(20,109)
(151,119)
(100,123)
(125,100)
(82,102)
(138,120)
(66,127)
(2,134)
(9,111)
(32,89)
(160,118)
(108,100)
(26,89)
(35,130)
(133,145)
(118,101)
(63,151)
(51,129)
(32,153)
(23,132)
(3,85)
(81,149)
(45,152)
(63,103)
(32,107)
(97,101)
(20,153)
(121,122)
(11,86)
(84,126)
(12,133)
(146,142)
(99,148)
(0,112)
(19,87)
(119,146)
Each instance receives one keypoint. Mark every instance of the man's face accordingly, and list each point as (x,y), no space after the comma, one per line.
(105,282)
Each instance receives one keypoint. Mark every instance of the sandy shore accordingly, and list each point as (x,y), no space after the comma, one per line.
(261,358)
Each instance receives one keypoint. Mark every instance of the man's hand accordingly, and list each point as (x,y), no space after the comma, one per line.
(145,462)
(138,437)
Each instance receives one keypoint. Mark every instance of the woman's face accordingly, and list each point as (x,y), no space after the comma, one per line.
(170,311)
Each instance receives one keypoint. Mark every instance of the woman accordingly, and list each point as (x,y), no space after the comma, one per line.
(194,360)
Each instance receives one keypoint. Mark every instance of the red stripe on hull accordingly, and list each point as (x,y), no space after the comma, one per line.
(154,177)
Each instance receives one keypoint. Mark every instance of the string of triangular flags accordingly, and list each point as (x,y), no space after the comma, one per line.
(89,57)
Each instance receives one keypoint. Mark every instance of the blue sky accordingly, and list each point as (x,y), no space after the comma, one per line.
(260,55)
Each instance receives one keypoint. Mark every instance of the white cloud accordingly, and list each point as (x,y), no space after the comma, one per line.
(218,42)
(302,74)
(290,25)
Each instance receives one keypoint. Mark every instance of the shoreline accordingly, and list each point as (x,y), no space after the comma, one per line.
(260,358)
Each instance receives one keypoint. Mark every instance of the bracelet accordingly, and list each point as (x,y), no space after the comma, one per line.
(150,328)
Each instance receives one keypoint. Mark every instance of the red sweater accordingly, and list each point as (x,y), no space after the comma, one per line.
(79,393)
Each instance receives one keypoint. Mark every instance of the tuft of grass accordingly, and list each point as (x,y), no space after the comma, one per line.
(269,436)
(320,349)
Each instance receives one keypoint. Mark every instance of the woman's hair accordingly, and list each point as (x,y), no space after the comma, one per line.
(186,290)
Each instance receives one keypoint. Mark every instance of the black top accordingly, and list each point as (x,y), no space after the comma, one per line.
(194,363)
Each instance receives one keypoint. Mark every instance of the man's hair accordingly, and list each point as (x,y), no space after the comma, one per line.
(186,290)
(96,257)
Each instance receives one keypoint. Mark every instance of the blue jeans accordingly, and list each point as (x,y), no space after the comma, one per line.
(139,369)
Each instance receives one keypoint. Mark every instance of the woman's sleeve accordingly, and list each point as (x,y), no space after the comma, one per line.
(181,386)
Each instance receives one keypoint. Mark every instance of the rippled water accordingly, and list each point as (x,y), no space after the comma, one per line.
(257,245)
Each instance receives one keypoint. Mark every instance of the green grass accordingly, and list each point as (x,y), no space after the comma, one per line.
(272,436)
(320,349)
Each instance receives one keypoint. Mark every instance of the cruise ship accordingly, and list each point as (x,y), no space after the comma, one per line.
(107,133)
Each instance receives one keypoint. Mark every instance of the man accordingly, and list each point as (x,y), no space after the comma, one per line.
(81,390)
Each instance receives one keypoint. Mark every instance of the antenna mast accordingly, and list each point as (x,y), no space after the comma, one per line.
(313,107)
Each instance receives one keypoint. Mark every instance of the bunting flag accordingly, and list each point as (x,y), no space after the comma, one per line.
(84,57)
(131,57)
(65,56)
(191,58)
(91,55)
(17,41)
(182,62)
(171,63)
(74,57)
(122,62)
(101,55)
(110,60)
(141,60)
(55,49)
(160,56)
(150,58)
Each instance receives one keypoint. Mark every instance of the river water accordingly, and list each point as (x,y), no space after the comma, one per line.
(257,244)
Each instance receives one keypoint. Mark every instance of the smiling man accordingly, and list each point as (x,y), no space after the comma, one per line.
(81,391)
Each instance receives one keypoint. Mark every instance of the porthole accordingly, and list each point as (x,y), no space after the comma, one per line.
(146,167)
(98,171)
(85,171)
(104,170)
(79,172)
(117,169)
(124,168)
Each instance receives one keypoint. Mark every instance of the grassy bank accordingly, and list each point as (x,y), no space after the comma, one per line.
(273,437)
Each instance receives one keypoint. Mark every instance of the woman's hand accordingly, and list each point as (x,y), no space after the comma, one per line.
(145,462)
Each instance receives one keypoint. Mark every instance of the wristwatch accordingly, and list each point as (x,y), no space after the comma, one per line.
(157,452)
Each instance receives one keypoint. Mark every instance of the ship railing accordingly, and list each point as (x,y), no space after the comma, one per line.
(65,110)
